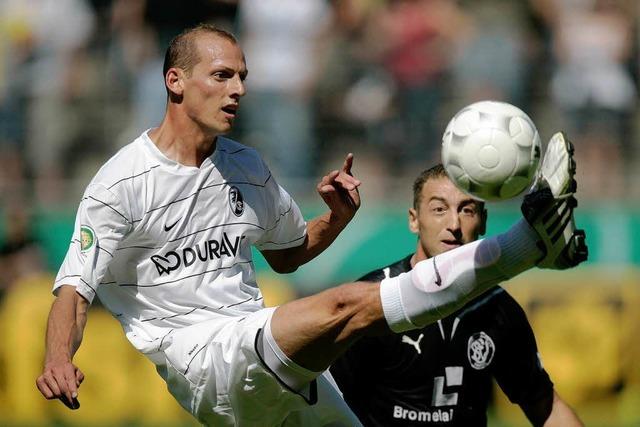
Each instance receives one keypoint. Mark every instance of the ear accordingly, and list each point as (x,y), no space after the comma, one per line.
(483,222)
(413,221)
(174,81)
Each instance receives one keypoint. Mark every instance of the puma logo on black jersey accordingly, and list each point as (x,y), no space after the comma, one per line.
(416,343)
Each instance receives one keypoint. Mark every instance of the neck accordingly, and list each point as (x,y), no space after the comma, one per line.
(185,143)
(418,256)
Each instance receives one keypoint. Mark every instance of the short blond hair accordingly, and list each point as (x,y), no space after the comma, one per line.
(182,52)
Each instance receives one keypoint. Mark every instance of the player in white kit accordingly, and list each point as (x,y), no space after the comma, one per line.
(163,236)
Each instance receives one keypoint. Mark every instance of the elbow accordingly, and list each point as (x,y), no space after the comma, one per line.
(285,260)
(285,268)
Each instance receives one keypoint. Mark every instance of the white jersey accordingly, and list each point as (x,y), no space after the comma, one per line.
(166,246)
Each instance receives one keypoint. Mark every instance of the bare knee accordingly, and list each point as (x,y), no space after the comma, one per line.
(355,308)
(313,331)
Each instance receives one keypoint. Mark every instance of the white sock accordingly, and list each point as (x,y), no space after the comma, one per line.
(438,286)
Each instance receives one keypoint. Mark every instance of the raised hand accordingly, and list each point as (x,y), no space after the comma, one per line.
(339,190)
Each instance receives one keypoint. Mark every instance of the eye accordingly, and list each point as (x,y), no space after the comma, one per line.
(221,75)
(438,209)
(469,211)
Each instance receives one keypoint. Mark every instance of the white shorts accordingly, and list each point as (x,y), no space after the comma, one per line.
(214,371)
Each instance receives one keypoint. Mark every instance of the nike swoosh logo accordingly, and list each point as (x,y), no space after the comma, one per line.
(167,228)
(438,278)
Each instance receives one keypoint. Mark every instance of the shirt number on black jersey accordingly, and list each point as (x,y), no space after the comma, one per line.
(452,378)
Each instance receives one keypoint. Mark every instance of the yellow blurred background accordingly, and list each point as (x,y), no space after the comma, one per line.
(586,324)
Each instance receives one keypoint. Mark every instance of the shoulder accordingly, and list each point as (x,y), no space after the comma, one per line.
(120,181)
(507,304)
(234,158)
(499,306)
(129,162)
(232,147)
(390,270)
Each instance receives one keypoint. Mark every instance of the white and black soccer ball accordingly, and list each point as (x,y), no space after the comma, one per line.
(491,150)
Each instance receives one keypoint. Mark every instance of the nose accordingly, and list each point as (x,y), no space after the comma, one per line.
(454,223)
(237,87)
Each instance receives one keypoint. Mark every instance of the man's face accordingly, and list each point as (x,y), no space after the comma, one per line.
(445,219)
(211,94)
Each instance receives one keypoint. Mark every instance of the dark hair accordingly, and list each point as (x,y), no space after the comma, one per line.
(182,52)
(434,172)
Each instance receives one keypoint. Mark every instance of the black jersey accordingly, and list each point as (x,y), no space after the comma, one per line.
(442,374)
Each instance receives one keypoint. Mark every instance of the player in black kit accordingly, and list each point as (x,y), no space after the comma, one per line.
(442,374)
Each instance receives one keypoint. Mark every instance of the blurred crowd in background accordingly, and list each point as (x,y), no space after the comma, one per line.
(81,78)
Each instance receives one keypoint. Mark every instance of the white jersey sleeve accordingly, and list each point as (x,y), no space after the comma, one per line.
(287,227)
(101,223)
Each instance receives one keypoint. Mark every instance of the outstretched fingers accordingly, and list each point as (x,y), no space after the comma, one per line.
(339,190)
(346,177)
(326,183)
(348,162)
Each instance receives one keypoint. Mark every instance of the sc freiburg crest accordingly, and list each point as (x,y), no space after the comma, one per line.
(236,201)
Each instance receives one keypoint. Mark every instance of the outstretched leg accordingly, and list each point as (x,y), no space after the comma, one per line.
(308,334)
(314,331)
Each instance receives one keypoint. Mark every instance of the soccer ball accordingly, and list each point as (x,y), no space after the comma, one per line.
(491,150)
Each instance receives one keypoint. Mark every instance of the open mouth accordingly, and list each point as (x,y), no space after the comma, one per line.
(230,109)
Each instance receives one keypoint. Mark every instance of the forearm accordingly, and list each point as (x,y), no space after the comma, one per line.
(65,327)
(60,378)
(562,415)
(321,233)
(339,190)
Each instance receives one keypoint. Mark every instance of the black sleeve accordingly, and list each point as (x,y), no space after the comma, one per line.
(392,270)
(519,371)
(373,276)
